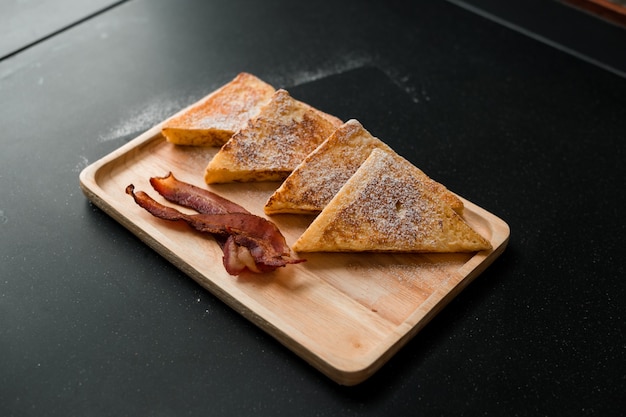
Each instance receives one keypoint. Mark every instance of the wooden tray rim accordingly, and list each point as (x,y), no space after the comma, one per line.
(341,372)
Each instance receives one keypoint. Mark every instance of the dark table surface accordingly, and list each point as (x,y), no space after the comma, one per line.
(522,113)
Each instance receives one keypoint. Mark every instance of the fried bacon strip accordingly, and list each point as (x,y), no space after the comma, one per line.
(248,241)
(188,195)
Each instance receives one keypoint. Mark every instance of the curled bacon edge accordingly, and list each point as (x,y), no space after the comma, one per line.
(247,241)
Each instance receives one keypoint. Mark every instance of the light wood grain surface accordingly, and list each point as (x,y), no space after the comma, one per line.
(345,314)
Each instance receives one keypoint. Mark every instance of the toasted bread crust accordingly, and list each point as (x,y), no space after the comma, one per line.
(385,207)
(271,144)
(213,120)
(310,187)
(315,181)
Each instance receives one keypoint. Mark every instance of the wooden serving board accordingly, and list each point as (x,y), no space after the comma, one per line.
(345,314)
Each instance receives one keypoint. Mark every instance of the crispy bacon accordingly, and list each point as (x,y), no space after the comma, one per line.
(248,241)
(237,258)
(188,195)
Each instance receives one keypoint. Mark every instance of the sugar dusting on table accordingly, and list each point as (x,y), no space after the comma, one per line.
(343,63)
(143,118)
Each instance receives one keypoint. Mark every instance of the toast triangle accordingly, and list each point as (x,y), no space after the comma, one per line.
(309,188)
(271,144)
(385,207)
(214,119)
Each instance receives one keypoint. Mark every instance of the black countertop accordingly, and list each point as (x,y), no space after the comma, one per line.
(523,117)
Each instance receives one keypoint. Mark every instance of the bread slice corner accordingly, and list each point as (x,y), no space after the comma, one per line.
(311,186)
(273,143)
(213,120)
(386,207)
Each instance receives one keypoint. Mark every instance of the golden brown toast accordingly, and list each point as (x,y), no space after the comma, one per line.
(321,174)
(385,207)
(273,143)
(214,119)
